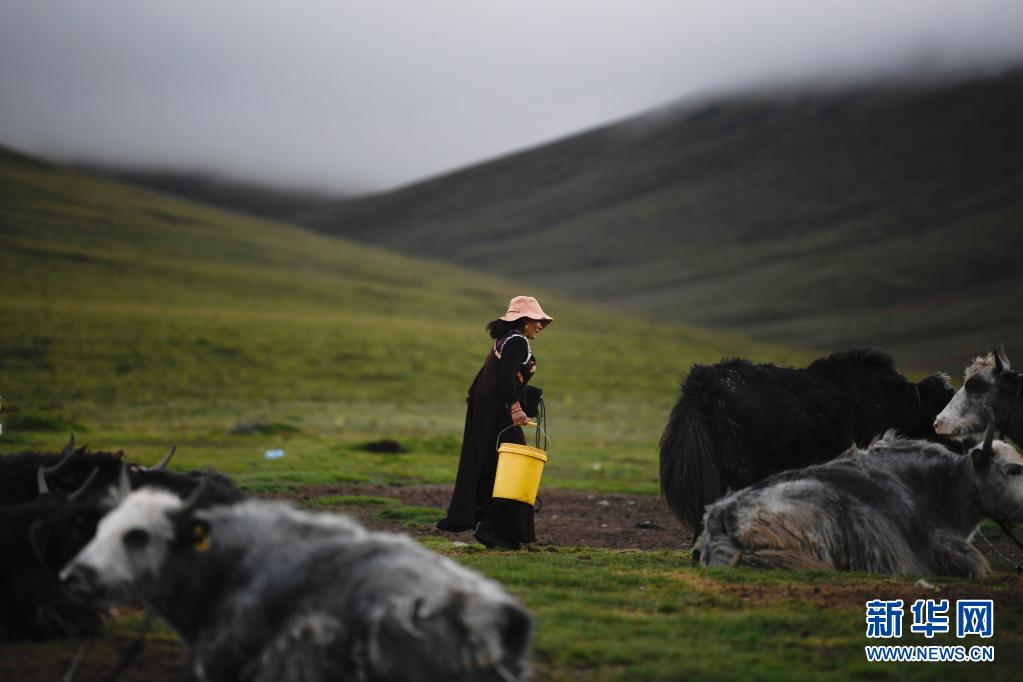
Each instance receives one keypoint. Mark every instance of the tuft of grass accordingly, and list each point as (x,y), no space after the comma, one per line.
(384,446)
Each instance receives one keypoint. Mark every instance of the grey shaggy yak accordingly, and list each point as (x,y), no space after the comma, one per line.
(900,506)
(263,592)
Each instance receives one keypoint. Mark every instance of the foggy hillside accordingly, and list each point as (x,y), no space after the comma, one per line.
(889,215)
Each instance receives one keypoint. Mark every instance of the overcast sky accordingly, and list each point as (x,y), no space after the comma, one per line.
(362,95)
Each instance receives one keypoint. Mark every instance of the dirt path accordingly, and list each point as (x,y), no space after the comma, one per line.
(568,518)
(571,518)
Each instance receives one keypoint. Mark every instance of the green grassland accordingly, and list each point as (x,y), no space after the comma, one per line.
(140,321)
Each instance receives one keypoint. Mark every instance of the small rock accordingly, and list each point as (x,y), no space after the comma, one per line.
(632,503)
(603,525)
(926,585)
(459,543)
(597,466)
(603,503)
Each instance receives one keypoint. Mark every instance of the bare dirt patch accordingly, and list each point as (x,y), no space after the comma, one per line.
(567,518)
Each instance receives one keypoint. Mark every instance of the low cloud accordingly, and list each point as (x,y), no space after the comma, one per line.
(343,96)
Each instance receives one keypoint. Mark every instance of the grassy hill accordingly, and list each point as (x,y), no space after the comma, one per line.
(886,215)
(149,320)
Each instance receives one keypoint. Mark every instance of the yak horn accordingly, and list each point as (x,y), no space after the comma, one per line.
(195,500)
(989,434)
(125,481)
(78,494)
(41,479)
(65,457)
(1002,358)
(162,464)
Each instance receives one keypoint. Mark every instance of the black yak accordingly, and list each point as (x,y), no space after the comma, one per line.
(735,423)
(901,506)
(42,527)
(36,539)
(263,592)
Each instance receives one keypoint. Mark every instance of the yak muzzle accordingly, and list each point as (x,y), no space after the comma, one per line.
(81,582)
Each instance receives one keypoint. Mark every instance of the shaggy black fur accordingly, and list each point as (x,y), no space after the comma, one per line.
(735,423)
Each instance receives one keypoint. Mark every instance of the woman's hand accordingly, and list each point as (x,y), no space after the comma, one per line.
(518,415)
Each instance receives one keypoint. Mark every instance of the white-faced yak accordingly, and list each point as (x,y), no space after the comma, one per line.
(735,423)
(263,592)
(989,383)
(901,506)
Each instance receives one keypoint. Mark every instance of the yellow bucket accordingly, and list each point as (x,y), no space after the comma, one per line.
(519,468)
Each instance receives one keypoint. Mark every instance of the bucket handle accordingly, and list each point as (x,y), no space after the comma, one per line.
(546,438)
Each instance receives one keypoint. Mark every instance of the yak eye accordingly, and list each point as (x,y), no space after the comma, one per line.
(975,385)
(1014,469)
(136,538)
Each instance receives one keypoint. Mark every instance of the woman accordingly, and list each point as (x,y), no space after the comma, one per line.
(499,403)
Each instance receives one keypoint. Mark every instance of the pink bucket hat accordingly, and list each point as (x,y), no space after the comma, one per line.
(526,306)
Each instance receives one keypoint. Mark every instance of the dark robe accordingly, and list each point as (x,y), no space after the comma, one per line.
(501,381)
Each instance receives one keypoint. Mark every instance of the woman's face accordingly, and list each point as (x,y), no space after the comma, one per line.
(532,329)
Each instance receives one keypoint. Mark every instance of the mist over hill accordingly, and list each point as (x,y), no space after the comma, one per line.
(888,215)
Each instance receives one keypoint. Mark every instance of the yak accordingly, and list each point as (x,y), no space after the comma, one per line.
(261,591)
(40,532)
(901,506)
(735,423)
(989,383)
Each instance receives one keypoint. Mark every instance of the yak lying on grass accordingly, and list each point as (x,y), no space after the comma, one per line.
(263,592)
(735,423)
(989,384)
(901,506)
